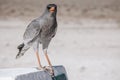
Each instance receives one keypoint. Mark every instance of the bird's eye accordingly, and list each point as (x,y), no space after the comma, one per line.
(48,7)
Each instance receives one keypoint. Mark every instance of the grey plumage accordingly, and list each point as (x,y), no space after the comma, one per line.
(40,30)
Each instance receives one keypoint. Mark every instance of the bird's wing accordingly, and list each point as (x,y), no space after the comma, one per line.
(32,30)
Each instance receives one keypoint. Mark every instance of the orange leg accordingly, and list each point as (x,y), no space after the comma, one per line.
(49,63)
(38,58)
(48,60)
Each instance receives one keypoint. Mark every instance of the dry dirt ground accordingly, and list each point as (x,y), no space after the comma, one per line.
(66,8)
(87,41)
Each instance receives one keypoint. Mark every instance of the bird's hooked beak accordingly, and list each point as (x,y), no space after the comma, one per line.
(52,9)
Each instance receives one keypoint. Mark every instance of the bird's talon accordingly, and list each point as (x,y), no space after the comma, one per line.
(49,69)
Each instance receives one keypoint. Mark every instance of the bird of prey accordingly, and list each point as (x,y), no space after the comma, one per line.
(40,31)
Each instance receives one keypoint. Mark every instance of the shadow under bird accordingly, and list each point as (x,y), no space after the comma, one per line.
(40,31)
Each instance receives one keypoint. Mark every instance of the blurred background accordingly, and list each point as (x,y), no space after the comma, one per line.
(67,8)
(87,42)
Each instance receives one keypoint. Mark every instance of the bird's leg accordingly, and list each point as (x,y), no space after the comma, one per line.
(39,63)
(48,60)
(36,49)
(49,63)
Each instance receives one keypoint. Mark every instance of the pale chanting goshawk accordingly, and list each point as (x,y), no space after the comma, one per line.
(40,31)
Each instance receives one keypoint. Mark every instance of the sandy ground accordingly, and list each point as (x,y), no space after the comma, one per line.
(66,8)
(88,48)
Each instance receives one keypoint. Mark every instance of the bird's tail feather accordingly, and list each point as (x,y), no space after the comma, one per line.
(22,49)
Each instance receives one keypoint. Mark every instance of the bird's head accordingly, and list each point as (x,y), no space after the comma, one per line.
(52,8)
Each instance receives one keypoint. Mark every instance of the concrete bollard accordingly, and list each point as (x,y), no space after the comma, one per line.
(32,74)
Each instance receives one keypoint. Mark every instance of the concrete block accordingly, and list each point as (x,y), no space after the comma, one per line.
(30,73)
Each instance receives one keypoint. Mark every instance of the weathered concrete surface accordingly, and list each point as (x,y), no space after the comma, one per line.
(29,73)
